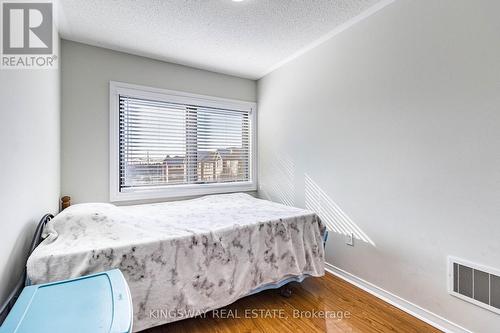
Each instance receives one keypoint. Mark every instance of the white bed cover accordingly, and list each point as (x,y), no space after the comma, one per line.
(182,258)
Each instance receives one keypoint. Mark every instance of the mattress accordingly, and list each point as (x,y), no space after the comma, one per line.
(184,258)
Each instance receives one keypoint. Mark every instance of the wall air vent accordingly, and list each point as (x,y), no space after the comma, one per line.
(477,284)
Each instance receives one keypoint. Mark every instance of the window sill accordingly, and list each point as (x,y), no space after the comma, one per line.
(180,191)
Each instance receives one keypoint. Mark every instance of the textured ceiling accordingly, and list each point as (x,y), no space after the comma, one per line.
(246,39)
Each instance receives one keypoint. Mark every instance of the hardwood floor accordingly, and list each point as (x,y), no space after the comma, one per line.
(350,310)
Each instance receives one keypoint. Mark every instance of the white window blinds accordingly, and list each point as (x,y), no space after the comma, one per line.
(162,144)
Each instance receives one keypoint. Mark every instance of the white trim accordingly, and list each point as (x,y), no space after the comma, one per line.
(344,26)
(182,191)
(174,191)
(179,96)
(425,315)
(475,266)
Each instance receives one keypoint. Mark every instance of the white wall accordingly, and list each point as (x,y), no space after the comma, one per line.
(396,121)
(86,72)
(29,165)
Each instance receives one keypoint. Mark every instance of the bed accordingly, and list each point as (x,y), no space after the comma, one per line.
(184,258)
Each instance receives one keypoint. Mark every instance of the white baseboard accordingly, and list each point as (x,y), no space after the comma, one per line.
(402,304)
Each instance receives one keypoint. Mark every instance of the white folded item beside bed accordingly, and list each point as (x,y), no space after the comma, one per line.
(183,258)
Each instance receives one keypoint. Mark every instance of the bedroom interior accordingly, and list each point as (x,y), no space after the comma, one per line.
(250,166)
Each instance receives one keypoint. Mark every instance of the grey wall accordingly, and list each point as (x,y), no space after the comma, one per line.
(396,122)
(29,165)
(86,72)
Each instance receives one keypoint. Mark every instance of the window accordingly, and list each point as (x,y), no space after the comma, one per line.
(170,144)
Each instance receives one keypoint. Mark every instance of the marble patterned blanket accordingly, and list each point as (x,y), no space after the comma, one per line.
(182,258)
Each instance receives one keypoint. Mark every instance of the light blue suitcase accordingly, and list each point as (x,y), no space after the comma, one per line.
(98,303)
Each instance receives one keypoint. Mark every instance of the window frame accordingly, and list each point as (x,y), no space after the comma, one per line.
(182,190)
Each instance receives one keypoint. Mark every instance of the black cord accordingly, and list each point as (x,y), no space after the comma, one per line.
(23,281)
